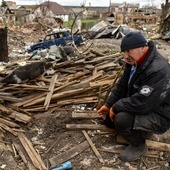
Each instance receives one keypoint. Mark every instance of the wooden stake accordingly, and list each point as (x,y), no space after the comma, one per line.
(93,147)
(50,92)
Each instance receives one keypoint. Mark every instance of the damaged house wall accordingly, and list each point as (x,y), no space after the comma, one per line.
(89,12)
(21,13)
(15,14)
(123,7)
(121,10)
(131,15)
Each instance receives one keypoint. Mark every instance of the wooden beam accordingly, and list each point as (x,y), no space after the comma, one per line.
(93,147)
(8,123)
(20,117)
(5,127)
(50,92)
(57,160)
(89,127)
(56,96)
(86,115)
(4,109)
(35,158)
(21,154)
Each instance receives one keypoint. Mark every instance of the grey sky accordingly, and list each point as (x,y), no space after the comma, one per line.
(92,2)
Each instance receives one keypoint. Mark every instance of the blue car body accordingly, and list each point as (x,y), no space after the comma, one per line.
(59,38)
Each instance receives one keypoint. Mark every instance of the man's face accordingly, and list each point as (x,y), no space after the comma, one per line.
(133,55)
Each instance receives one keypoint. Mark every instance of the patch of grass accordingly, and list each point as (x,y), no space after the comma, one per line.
(87,23)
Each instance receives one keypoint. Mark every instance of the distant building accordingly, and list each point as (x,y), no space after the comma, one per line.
(51,9)
(10,3)
(124,7)
(13,13)
(132,15)
(87,12)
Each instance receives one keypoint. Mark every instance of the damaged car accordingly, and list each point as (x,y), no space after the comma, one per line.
(61,38)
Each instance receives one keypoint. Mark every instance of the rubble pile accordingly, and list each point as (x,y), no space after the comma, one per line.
(83,80)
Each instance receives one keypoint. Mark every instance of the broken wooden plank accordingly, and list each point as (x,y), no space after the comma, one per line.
(93,147)
(57,160)
(20,110)
(85,115)
(10,98)
(101,83)
(104,58)
(56,96)
(4,109)
(21,154)
(50,92)
(94,76)
(20,117)
(8,123)
(35,158)
(89,127)
(30,87)
(29,99)
(5,127)
(96,52)
(106,66)
(77,101)
(77,75)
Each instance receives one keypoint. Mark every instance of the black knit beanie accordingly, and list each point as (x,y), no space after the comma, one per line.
(133,40)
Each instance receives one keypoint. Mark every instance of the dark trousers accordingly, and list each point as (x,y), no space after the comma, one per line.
(123,122)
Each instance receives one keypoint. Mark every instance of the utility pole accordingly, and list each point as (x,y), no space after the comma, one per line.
(110,6)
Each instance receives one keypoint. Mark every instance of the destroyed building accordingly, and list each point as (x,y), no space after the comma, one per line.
(131,15)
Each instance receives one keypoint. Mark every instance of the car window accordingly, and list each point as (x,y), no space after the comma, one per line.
(56,35)
(49,37)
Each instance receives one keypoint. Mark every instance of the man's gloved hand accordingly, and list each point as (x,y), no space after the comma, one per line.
(111,114)
(103,111)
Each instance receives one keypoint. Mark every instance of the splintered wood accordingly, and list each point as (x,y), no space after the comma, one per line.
(78,82)
(73,82)
(34,156)
(87,80)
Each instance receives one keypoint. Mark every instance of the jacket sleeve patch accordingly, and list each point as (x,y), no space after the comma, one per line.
(146,90)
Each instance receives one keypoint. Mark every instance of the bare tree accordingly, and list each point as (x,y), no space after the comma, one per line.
(83,3)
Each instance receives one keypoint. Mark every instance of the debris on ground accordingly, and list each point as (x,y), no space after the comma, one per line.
(51,119)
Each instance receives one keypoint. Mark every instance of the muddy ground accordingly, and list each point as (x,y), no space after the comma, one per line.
(50,137)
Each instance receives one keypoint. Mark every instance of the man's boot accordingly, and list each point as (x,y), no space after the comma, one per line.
(132,153)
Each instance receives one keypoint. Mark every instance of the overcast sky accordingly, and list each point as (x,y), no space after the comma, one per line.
(88,2)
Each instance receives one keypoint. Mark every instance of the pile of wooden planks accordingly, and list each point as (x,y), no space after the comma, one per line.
(79,81)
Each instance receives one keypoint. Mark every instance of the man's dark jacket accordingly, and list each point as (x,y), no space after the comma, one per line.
(148,94)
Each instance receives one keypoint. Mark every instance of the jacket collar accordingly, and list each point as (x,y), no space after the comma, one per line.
(148,57)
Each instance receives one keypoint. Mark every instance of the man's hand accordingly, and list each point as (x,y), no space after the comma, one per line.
(103,111)
(111,114)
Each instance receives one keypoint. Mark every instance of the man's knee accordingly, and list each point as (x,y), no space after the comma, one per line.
(123,121)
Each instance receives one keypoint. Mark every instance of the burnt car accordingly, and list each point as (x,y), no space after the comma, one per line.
(58,38)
